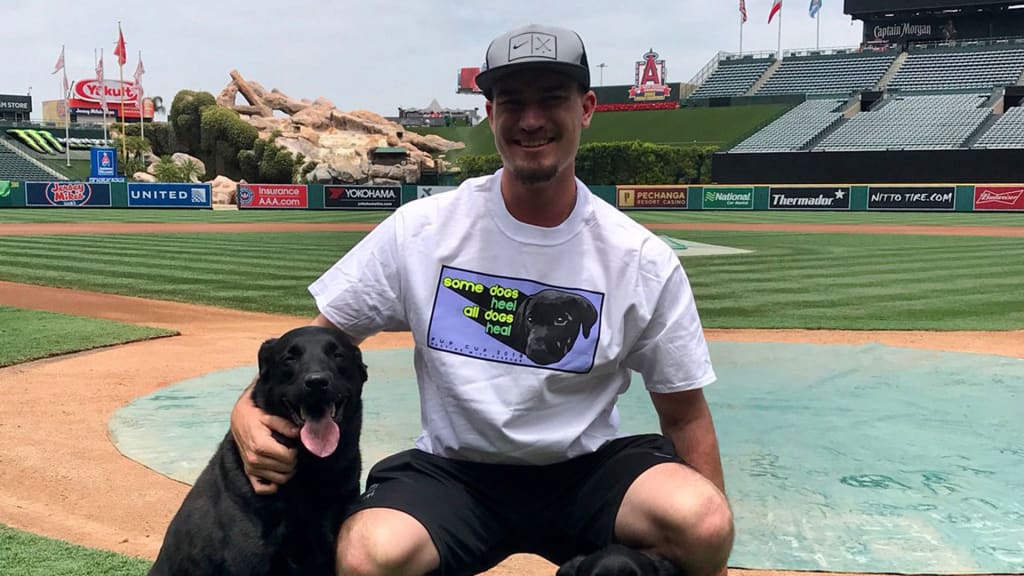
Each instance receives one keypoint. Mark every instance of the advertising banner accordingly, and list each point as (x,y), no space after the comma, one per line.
(361,197)
(999,198)
(728,198)
(424,191)
(934,198)
(651,197)
(169,195)
(66,194)
(104,162)
(809,198)
(292,196)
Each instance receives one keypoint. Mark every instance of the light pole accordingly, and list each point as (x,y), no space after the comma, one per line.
(602,66)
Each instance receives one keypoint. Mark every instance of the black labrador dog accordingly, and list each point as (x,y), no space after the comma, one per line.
(619,560)
(548,323)
(313,376)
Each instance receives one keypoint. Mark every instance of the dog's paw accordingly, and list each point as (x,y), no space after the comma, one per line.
(618,560)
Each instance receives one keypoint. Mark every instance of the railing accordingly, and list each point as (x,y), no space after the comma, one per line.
(1006,41)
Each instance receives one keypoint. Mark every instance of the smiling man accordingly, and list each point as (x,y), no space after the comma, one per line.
(531,303)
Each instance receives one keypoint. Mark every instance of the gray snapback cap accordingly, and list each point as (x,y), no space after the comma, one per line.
(534,46)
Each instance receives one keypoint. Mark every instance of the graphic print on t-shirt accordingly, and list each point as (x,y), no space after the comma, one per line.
(515,321)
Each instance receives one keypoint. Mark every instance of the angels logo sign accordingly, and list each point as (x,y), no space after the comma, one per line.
(650,83)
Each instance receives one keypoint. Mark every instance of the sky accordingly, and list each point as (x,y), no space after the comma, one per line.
(376,55)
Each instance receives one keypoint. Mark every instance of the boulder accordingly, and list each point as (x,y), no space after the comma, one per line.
(143,177)
(224,190)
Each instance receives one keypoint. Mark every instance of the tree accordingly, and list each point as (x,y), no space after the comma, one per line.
(223,135)
(158,106)
(186,119)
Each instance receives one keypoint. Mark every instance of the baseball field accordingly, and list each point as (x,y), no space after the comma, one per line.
(99,307)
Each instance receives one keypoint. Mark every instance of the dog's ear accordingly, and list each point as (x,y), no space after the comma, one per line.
(588,316)
(266,354)
(360,366)
(571,567)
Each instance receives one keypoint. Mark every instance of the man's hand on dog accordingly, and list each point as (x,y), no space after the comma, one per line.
(267,462)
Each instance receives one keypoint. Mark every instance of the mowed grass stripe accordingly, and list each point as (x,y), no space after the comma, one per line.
(311,248)
(55,215)
(792,280)
(142,215)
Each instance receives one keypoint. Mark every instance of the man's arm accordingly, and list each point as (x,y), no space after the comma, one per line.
(686,420)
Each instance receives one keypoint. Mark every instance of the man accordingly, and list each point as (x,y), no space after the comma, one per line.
(530,301)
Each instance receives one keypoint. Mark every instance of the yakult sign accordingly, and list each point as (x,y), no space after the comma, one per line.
(85,94)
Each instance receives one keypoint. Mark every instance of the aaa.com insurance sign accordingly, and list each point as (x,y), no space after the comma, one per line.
(273,196)
(1008,198)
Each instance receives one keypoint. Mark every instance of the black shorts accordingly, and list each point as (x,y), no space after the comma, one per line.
(479,514)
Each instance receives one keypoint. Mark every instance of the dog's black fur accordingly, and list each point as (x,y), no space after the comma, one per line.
(618,560)
(223,527)
(548,323)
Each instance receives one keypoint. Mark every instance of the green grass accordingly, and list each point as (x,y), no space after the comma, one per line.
(838,281)
(80,170)
(29,215)
(683,127)
(859,282)
(31,334)
(25,554)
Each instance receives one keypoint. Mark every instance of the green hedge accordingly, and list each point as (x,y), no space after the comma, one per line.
(610,163)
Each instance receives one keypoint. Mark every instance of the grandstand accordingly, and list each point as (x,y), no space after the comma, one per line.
(16,165)
(1006,132)
(831,74)
(794,129)
(734,76)
(942,69)
(926,122)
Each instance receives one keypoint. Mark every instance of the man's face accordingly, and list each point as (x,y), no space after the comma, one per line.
(537,117)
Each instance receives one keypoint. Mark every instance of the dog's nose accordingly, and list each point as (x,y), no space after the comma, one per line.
(316,381)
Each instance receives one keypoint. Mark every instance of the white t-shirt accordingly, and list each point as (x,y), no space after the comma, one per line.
(525,335)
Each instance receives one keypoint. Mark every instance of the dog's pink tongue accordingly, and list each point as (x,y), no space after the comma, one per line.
(320,436)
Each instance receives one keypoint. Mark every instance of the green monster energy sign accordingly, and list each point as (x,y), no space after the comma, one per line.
(728,198)
(5,188)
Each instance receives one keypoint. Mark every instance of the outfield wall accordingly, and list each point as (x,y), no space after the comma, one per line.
(890,197)
(868,166)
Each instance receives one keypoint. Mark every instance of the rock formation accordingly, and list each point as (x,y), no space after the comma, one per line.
(341,143)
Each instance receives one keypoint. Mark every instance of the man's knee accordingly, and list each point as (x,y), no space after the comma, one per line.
(382,541)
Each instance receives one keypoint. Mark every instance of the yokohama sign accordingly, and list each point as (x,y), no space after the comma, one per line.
(1008,198)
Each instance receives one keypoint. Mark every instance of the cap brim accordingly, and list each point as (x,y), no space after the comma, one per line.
(487,79)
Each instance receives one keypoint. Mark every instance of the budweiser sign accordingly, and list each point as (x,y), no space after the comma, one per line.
(999,198)
(115,90)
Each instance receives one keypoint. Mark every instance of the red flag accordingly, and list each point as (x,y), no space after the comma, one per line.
(60,62)
(743,10)
(119,51)
(776,8)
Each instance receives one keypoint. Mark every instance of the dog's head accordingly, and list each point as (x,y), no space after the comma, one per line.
(618,560)
(314,377)
(549,322)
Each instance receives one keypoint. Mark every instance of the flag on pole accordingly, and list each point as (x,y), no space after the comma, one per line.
(139,71)
(60,62)
(100,81)
(776,8)
(815,6)
(743,10)
(119,50)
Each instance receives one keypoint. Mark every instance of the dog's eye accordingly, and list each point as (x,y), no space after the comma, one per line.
(561,320)
(288,360)
(339,356)
(529,317)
